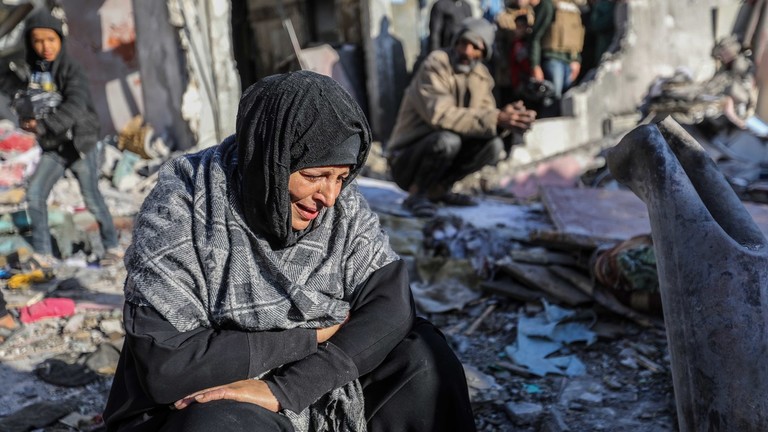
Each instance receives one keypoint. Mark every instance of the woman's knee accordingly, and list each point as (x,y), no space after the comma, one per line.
(420,386)
(226,415)
(433,364)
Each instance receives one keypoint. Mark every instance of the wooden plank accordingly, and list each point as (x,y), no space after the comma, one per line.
(576,278)
(589,217)
(539,277)
(538,255)
(513,290)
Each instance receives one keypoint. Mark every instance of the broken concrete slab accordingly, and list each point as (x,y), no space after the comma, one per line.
(449,284)
(524,413)
(589,217)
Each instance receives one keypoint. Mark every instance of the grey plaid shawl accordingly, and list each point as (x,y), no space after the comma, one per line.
(195,260)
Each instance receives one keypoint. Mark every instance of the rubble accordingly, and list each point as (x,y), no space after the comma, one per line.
(548,341)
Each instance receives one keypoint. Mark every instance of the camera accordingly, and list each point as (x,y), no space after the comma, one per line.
(538,93)
(35,103)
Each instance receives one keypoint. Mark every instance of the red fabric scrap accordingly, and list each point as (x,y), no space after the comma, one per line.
(47,308)
(16,142)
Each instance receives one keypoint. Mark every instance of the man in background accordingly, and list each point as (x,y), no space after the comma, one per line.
(557,38)
(448,125)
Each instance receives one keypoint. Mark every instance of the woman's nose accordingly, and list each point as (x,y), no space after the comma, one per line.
(328,193)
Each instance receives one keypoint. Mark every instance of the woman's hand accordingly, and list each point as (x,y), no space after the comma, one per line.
(323,334)
(249,391)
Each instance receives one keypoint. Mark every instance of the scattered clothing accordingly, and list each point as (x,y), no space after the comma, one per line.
(59,372)
(47,308)
(25,280)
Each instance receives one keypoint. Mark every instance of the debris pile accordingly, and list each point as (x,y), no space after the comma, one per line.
(551,304)
(545,344)
(58,366)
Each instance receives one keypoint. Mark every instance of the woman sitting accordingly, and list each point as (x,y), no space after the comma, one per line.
(262,293)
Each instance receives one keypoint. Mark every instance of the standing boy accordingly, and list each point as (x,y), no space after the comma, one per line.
(67,133)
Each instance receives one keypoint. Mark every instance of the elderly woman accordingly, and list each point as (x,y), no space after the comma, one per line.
(262,293)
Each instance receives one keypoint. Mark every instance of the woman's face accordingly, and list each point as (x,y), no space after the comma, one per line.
(311,190)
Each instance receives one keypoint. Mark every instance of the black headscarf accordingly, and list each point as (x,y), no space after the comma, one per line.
(285,123)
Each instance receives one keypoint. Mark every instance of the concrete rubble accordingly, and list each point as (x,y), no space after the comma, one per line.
(463,265)
(546,290)
(547,345)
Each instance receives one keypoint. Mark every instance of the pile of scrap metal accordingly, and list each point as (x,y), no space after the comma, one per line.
(730,92)
(722,113)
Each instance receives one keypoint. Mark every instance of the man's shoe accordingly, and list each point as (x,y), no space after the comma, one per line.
(420,206)
(456,199)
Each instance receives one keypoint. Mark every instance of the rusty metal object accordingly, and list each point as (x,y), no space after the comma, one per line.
(713,270)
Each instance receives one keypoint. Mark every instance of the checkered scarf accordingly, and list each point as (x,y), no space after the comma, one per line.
(199,263)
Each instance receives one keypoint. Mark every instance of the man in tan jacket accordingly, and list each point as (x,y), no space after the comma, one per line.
(448,125)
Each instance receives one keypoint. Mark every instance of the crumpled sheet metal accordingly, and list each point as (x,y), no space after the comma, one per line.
(712,263)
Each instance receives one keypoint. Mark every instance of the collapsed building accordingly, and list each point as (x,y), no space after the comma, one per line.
(182,64)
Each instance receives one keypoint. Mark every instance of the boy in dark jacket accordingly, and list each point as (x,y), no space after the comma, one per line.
(67,132)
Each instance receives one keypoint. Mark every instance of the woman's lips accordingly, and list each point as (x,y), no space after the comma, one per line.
(306,212)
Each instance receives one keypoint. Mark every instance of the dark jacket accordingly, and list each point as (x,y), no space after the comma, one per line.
(439,98)
(445,19)
(76,112)
(543,14)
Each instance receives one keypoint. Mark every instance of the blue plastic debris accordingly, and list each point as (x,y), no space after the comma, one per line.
(541,336)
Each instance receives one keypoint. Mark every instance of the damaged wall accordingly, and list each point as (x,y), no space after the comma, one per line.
(170,62)
(209,104)
(661,37)
(328,36)
(191,88)
(672,33)
(273,46)
(392,45)
(104,41)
